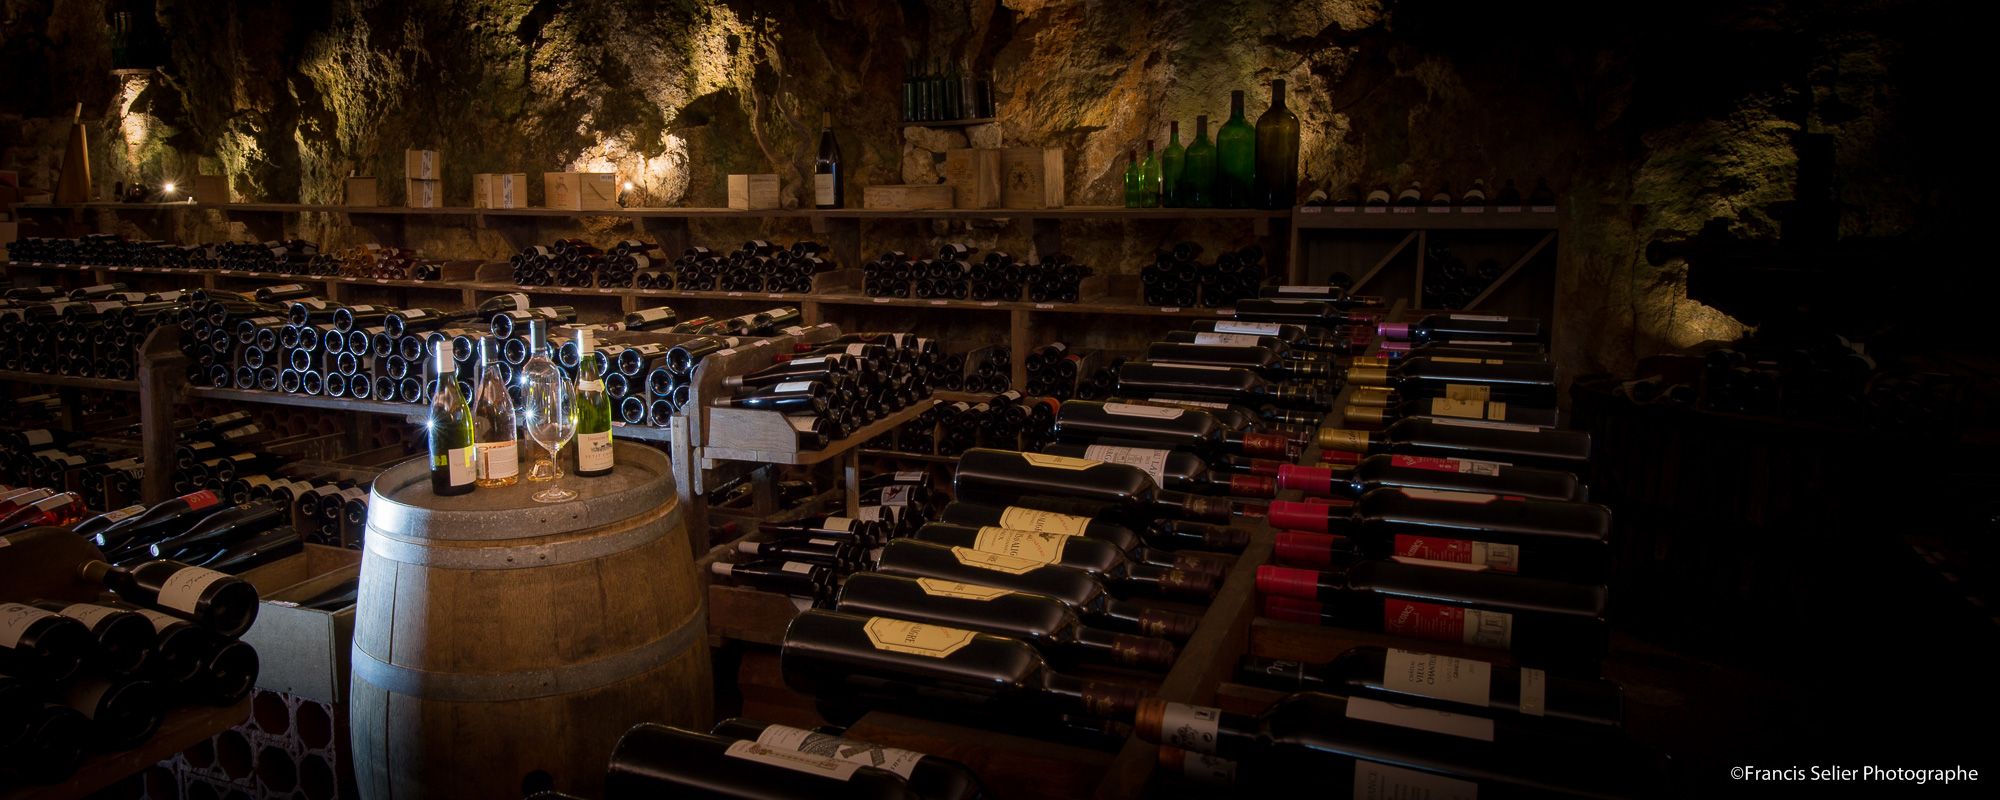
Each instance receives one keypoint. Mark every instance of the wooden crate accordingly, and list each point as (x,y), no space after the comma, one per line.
(580,191)
(906,197)
(361,193)
(418,193)
(500,190)
(753,192)
(974,177)
(211,188)
(423,165)
(1031,177)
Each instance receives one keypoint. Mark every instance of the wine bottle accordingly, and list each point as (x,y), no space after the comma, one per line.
(1050,626)
(1277,153)
(802,396)
(1235,158)
(842,556)
(868,533)
(1173,162)
(218,602)
(454,459)
(1419,436)
(1198,171)
(1539,538)
(1079,590)
(889,660)
(1465,406)
(797,578)
(1133,179)
(1171,535)
(1149,178)
(121,641)
(1512,351)
(94,525)
(1266,362)
(1459,328)
(1172,469)
(1193,430)
(1444,683)
(273,545)
(1000,477)
(39,644)
(55,511)
(1439,474)
(929,777)
(593,413)
(1100,559)
(221,529)
(1527,382)
(654,761)
(49,744)
(495,426)
(1326,312)
(1230,384)
(1385,750)
(828,174)
(123,712)
(1542,622)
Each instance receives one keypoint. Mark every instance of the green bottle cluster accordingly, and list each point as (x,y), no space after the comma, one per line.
(1245,167)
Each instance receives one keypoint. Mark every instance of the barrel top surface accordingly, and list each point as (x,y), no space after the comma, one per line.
(401,500)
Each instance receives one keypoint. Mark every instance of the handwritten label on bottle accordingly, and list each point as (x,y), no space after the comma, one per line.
(182,590)
(89,613)
(15,619)
(960,590)
(915,638)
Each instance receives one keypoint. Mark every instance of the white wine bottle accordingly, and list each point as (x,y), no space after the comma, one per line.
(495,428)
(593,412)
(453,458)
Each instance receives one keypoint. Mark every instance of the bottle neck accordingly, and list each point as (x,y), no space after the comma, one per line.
(1101,700)
(1174,134)
(1122,649)
(1190,506)
(1277,95)
(1235,106)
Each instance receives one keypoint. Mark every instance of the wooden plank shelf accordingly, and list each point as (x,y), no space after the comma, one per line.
(1323,217)
(182,729)
(1066,212)
(948,123)
(70,381)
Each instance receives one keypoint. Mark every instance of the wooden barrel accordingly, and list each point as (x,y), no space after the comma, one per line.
(497,640)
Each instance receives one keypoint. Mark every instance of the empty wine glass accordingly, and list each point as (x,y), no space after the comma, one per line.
(548,409)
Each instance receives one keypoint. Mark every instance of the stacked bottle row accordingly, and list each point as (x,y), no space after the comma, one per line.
(89,332)
(1413,196)
(942,90)
(1179,278)
(809,556)
(1059,371)
(828,390)
(756,266)
(392,263)
(955,274)
(292,256)
(95,667)
(1244,167)
(1006,420)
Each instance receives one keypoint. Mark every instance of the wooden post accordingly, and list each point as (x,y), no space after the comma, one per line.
(1018,342)
(162,380)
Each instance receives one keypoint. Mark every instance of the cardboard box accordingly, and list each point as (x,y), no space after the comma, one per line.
(361,192)
(211,189)
(500,190)
(1031,177)
(423,165)
(10,232)
(974,177)
(580,191)
(423,194)
(302,651)
(753,192)
(906,197)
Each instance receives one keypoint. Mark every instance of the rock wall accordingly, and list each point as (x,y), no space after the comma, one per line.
(1651,119)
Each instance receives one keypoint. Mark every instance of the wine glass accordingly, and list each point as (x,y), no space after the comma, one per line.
(548,403)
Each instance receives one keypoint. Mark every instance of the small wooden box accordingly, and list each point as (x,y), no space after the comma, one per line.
(753,192)
(974,177)
(211,188)
(423,194)
(581,191)
(1031,177)
(500,190)
(361,192)
(906,197)
(423,165)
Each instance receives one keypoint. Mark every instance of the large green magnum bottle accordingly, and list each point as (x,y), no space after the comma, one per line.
(1173,161)
(1198,174)
(1149,178)
(593,412)
(1277,153)
(1235,158)
(453,465)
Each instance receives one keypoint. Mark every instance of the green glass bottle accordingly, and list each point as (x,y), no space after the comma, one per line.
(453,464)
(593,412)
(1172,161)
(1235,158)
(1131,178)
(1277,153)
(1149,178)
(1198,174)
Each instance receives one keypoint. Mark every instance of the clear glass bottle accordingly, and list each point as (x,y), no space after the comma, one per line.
(495,427)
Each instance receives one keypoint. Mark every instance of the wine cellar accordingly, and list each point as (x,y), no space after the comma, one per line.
(990,399)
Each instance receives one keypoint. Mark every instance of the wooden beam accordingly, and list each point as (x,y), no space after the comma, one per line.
(162,378)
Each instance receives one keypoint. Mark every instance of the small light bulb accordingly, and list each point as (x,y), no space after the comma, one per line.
(628,186)
(167,187)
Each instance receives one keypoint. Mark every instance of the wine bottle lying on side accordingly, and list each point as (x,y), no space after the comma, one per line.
(1463,685)
(930,777)
(1050,626)
(1079,590)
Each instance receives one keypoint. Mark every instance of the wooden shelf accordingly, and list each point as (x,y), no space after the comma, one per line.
(1067,212)
(105,384)
(1321,217)
(949,123)
(182,729)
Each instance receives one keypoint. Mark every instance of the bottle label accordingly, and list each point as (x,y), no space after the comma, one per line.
(461,465)
(1496,426)
(915,638)
(15,619)
(1177,365)
(1441,623)
(1534,692)
(1028,519)
(200,500)
(1455,407)
(796,762)
(129,512)
(590,386)
(909,476)
(1189,727)
(837,524)
(959,589)
(182,591)
(1045,548)
(1463,466)
(994,561)
(1478,318)
(1468,391)
(874,514)
(1478,343)
(1448,497)
(1304,289)
(811,360)
(898,494)
(38,437)
(1227,339)
(1343,439)
(823,189)
(593,451)
(1251,328)
(1458,360)
(1374,781)
(825,542)
(780,737)
(161,622)
(499,460)
(89,613)
(1458,680)
(1150,412)
(1058,462)
(792,386)
(1154,462)
(797,568)
(1496,557)
(1423,719)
